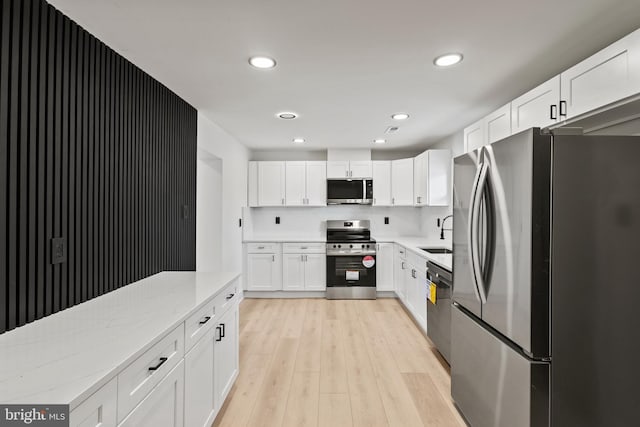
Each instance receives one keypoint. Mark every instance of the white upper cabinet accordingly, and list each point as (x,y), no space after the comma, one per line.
(252,184)
(402,182)
(338,169)
(537,108)
(381,182)
(271,183)
(608,76)
(498,124)
(316,183)
(360,168)
(349,169)
(432,178)
(295,187)
(306,184)
(475,136)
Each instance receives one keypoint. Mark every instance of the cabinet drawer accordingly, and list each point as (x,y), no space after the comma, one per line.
(304,248)
(198,324)
(99,409)
(259,248)
(419,263)
(137,379)
(401,251)
(226,298)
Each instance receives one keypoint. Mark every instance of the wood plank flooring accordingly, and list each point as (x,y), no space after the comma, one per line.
(314,362)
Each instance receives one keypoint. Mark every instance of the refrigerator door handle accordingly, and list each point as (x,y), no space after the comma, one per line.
(470,229)
(475,230)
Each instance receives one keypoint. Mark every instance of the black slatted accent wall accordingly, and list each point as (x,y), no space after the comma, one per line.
(92,150)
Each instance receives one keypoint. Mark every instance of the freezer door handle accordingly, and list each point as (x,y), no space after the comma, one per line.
(475,230)
(470,230)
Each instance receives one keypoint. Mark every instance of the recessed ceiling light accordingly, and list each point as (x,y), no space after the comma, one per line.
(379,141)
(448,59)
(287,115)
(262,62)
(400,116)
(298,140)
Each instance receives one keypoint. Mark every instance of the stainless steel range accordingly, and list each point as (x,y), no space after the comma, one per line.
(351,260)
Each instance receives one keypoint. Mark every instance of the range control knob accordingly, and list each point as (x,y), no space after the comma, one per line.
(339,246)
(351,246)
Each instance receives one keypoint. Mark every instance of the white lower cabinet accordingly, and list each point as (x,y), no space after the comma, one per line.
(384,266)
(264,272)
(225,357)
(304,272)
(200,401)
(163,406)
(99,410)
(399,267)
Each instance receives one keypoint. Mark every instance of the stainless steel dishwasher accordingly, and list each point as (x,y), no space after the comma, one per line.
(439,308)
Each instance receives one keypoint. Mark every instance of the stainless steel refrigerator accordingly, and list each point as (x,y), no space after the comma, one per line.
(546,294)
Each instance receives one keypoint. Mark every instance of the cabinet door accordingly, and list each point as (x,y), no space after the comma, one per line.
(99,410)
(399,267)
(420,176)
(608,76)
(315,272)
(411,290)
(316,181)
(381,183)
(271,183)
(338,169)
(384,267)
(421,301)
(226,354)
(536,108)
(199,385)
(262,272)
(163,406)
(498,124)
(293,272)
(402,182)
(360,169)
(439,177)
(295,186)
(475,136)
(252,184)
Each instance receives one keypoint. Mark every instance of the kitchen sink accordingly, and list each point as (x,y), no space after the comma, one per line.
(437,250)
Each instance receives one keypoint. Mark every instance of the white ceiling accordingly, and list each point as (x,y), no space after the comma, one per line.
(346,65)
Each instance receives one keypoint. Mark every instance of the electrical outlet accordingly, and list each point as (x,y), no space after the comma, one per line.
(438,223)
(58,250)
(277,220)
(239,222)
(386,220)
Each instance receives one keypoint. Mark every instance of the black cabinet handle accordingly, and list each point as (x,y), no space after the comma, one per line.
(205,320)
(563,108)
(219,333)
(154,368)
(230,296)
(553,112)
(222,334)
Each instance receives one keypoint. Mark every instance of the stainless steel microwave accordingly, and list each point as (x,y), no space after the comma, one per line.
(349,191)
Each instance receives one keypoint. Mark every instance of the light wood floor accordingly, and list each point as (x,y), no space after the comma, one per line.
(314,362)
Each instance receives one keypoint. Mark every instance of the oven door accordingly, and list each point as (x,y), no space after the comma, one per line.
(351,270)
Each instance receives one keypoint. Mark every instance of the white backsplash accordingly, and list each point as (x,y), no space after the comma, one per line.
(310,222)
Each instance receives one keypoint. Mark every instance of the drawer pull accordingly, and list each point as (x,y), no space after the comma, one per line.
(154,368)
(303,247)
(205,320)
(230,296)
(260,247)
(222,333)
(219,329)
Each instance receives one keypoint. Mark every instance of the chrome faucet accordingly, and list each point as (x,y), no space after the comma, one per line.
(442,229)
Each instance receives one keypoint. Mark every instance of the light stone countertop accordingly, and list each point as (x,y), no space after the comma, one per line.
(412,243)
(66,357)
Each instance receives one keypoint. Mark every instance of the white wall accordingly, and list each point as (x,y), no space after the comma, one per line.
(209,212)
(307,222)
(214,143)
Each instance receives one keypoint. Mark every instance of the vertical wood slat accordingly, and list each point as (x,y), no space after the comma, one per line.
(93,150)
